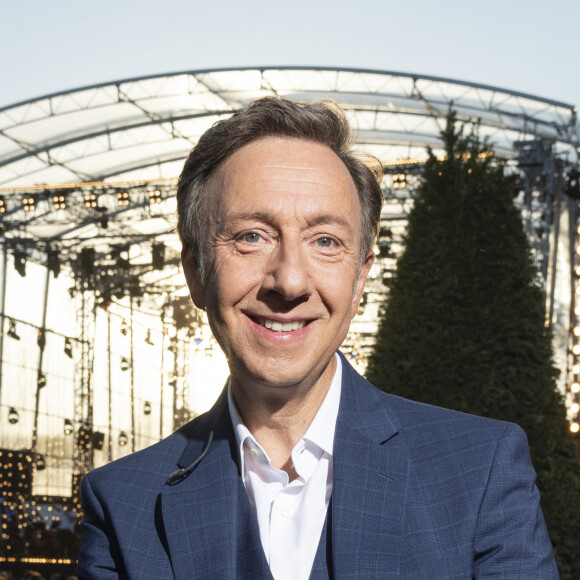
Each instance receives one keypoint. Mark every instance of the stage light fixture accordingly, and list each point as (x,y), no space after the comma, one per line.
(399,181)
(124,364)
(155,197)
(123,439)
(13,416)
(123,199)
(124,327)
(2,205)
(90,200)
(29,203)
(12,330)
(576,349)
(575,387)
(20,262)
(576,369)
(58,202)
(40,462)
(575,407)
(98,440)
(68,427)
(574,427)
(147,408)
(41,339)
(68,347)
(41,381)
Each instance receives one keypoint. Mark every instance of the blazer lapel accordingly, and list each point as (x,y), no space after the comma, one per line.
(370,481)
(209,525)
(199,511)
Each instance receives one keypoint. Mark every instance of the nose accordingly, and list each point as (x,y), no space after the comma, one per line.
(287,273)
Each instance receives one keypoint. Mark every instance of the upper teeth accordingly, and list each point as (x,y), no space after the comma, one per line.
(283,326)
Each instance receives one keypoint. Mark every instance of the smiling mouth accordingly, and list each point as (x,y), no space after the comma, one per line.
(278,326)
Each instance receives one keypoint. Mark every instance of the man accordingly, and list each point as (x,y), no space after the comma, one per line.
(302,469)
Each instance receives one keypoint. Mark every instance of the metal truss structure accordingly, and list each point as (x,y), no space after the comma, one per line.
(87,177)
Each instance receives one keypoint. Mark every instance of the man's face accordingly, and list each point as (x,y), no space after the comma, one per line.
(285,278)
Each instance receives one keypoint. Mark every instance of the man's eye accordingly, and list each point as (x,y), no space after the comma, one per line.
(251,237)
(325,242)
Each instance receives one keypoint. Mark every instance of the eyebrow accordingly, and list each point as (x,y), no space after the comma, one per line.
(267,217)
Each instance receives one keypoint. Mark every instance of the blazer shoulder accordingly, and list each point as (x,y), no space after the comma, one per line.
(427,427)
(154,463)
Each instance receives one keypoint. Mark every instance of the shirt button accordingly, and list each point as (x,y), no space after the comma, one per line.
(286,513)
(255,452)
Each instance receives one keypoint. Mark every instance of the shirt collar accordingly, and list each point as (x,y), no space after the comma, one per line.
(321,430)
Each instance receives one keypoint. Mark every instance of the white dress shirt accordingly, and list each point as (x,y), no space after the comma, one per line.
(291,514)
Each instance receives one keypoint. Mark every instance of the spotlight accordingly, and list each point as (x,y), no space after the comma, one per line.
(399,181)
(68,347)
(123,439)
(90,200)
(2,205)
(68,427)
(123,199)
(29,203)
(575,387)
(12,330)
(576,349)
(58,202)
(154,197)
(13,416)
(147,408)
(574,427)
(575,407)
(124,364)
(41,381)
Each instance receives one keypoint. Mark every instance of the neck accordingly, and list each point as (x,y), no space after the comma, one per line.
(279,416)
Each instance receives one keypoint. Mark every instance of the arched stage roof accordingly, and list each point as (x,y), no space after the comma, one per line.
(142,128)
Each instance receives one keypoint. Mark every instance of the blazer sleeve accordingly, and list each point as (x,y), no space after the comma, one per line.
(99,557)
(511,539)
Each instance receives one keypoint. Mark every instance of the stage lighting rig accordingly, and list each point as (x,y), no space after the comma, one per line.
(90,199)
(123,199)
(155,197)
(58,201)
(29,203)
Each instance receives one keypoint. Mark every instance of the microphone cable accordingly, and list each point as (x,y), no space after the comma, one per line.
(182,473)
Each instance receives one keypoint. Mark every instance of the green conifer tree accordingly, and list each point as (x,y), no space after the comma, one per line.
(463,326)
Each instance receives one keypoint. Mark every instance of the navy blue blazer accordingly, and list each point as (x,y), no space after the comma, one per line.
(418,492)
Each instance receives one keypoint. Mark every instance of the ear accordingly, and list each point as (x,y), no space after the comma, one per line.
(360,283)
(192,277)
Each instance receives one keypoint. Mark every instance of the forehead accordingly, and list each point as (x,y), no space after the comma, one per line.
(280,171)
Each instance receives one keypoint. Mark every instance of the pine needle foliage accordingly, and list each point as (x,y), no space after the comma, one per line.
(463,326)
